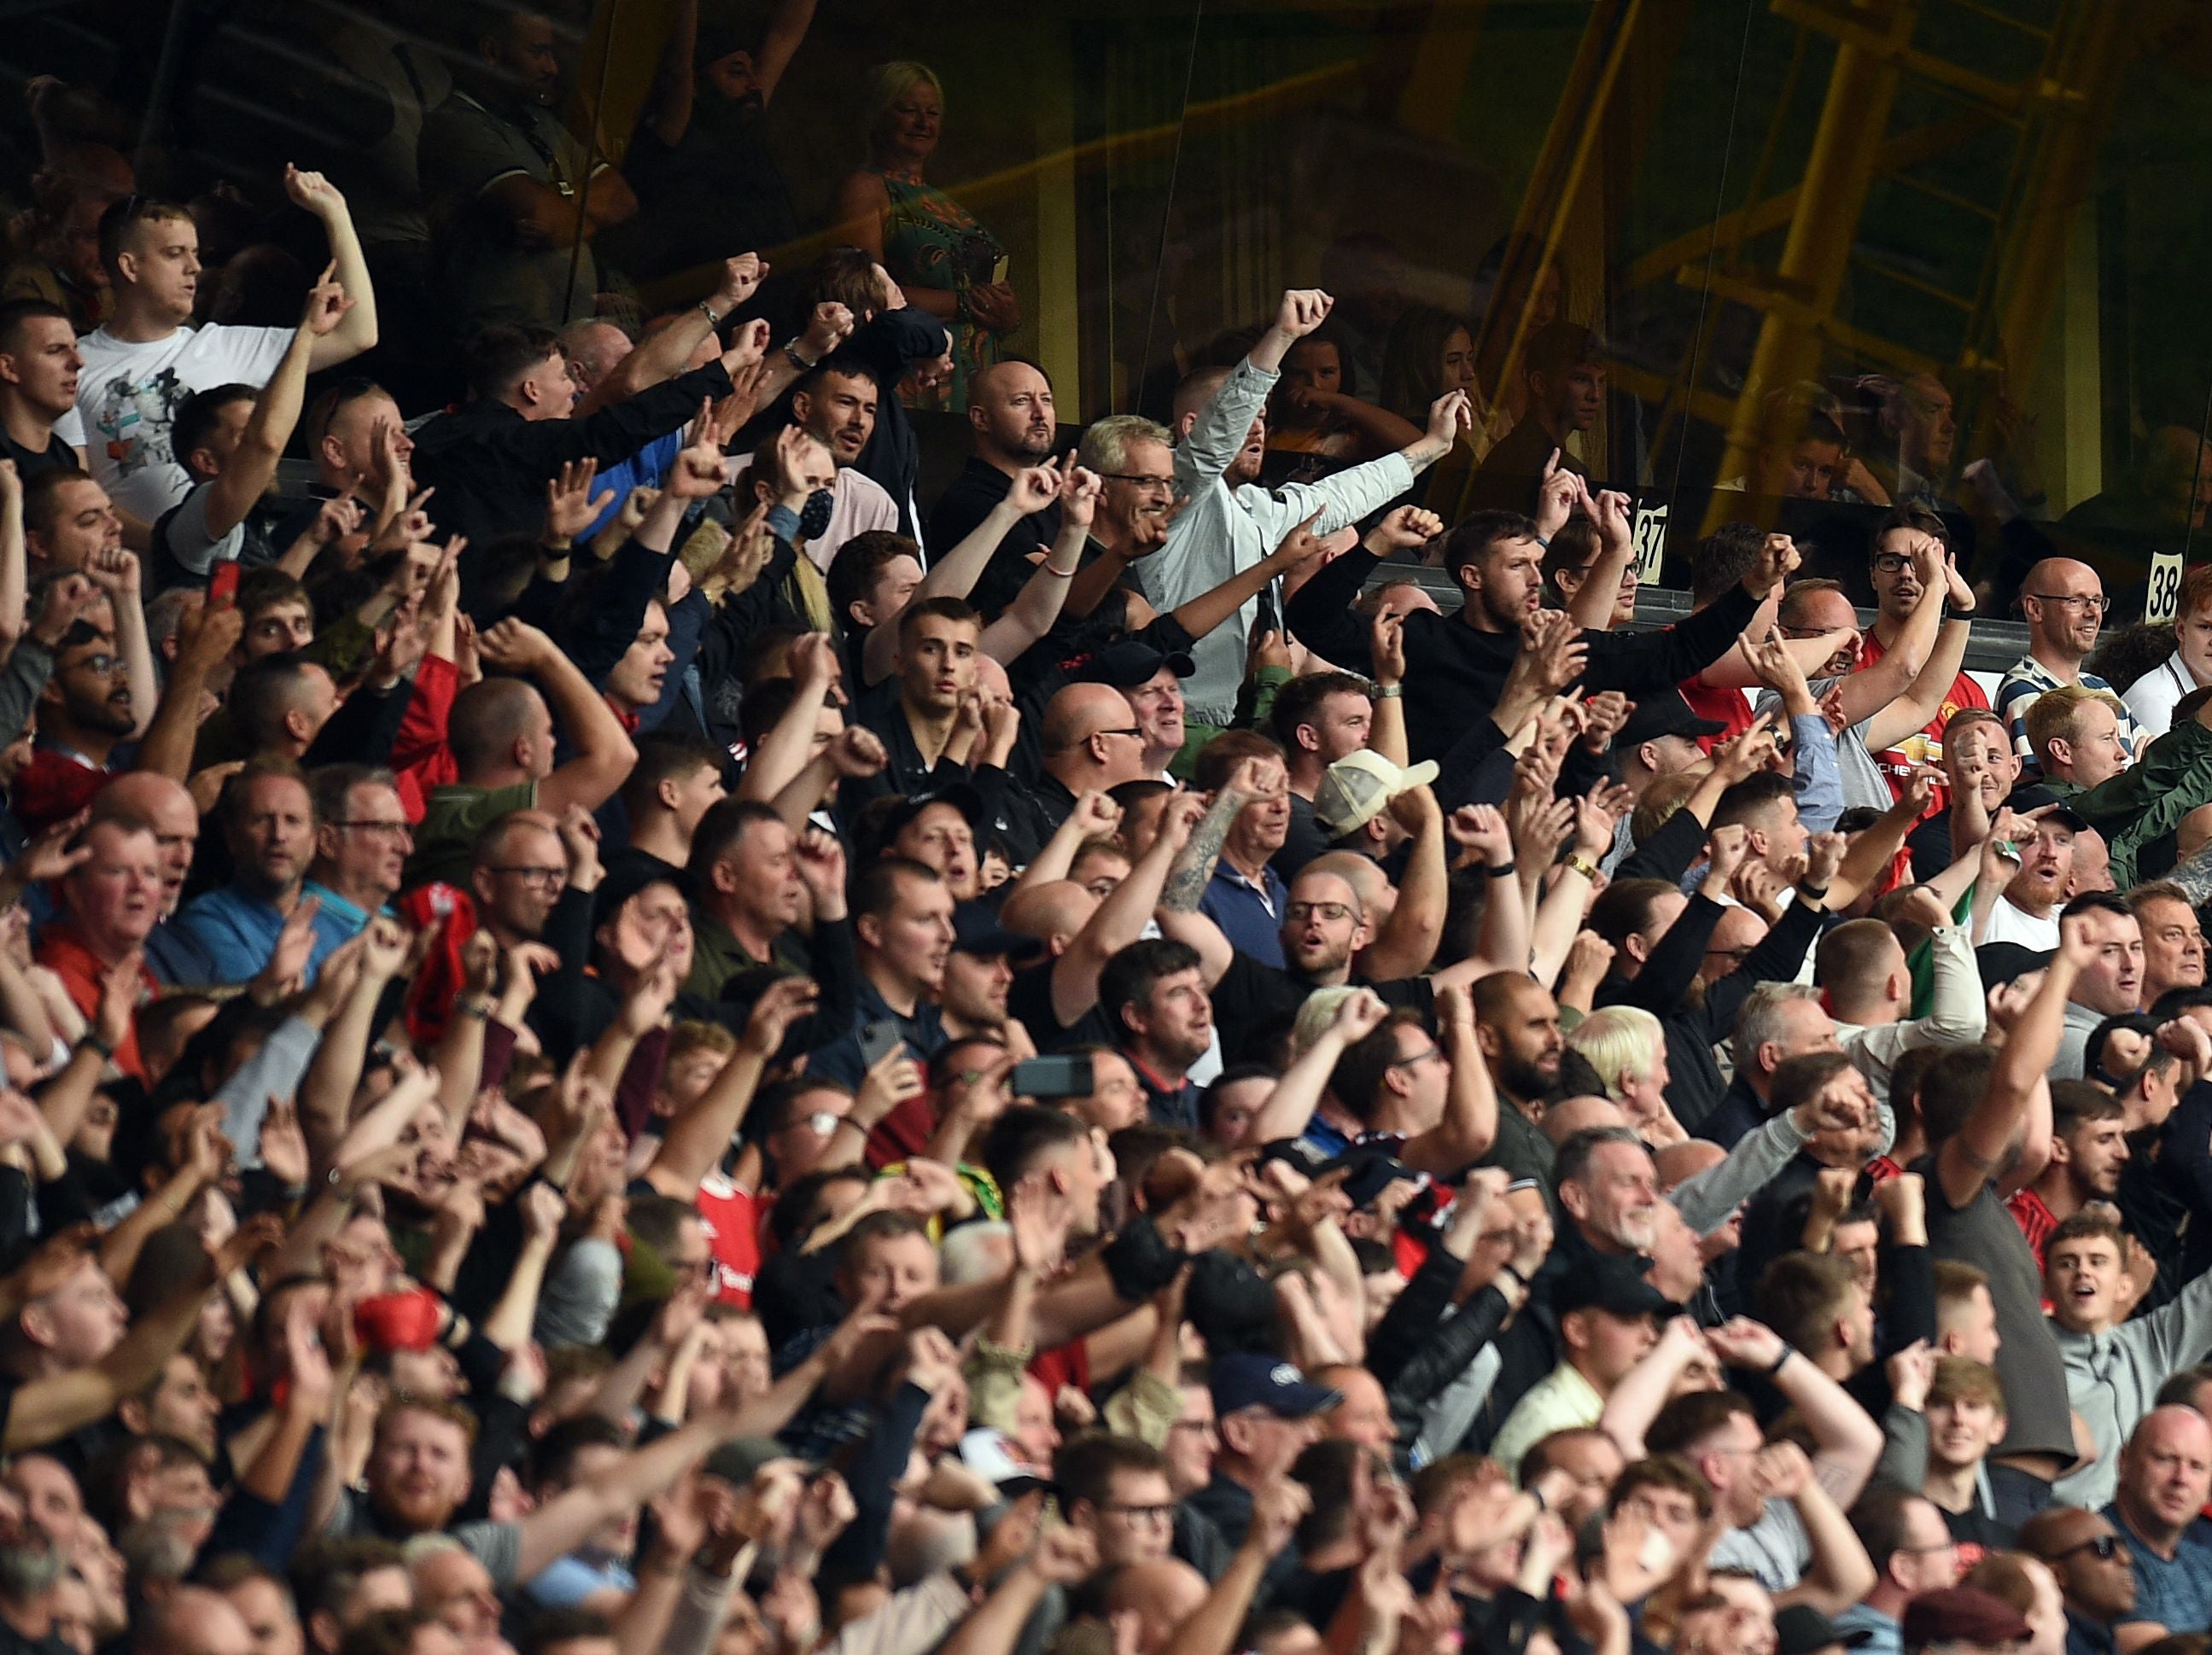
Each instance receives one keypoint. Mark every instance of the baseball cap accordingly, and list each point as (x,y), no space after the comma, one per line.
(1665,712)
(1615,1285)
(990,1455)
(976,929)
(2036,796)
(2001,962)
(894,821)
(1129,663)
(1247,1379)
(1801,1629)
(740,1458)
(1962,1615)
(1359,785)
(627,876)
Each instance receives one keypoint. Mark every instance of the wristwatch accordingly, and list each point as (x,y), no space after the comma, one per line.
(1387,692)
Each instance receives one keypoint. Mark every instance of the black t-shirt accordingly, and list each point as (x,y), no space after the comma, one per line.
(967,501)
(1250,995)
(58,456)
(1029,1001)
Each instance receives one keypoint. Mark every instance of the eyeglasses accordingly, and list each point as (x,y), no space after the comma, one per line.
(2096,602)
(541,876)
(2104,1548)
(1140,1513)
(1419,1058)
(371,825)
(820,1122)
(1892,563)
(102,666)
(1329,913)
(1940,1546)
(1151,485)
(1131,730)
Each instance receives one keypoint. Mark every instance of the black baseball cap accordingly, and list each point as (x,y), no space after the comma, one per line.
(1598,1282)
(1129,663)
(1665,712)
(2039,794)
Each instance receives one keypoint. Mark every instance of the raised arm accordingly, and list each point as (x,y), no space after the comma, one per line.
(1921,701)
(954,574)
(356,330)
(696,1138)
(1121,919)
(1977,1152)
(1871,689)
(251,466)
(1470,1125)
(602,747)
(1290,1107)
(1037,605)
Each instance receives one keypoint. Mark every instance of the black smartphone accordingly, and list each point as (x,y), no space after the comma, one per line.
(876,1038)
(1052,1077)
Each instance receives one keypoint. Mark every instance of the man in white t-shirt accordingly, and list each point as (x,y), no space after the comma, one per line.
(2027,912)
(147,357)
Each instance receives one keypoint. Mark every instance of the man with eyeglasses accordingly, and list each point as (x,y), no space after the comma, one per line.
(1923,608)
(1912,1552)
(1134,458)
(1092,743)
(2064,603)
(2096,1577)
(1115,1489)
(362,839)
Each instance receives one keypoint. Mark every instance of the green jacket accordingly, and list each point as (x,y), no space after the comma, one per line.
(2147,800)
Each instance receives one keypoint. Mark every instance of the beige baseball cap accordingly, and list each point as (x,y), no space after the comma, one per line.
(1359,785)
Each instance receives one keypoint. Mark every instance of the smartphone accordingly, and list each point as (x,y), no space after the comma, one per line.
(222,586)
(877,1038)
(1052,1077)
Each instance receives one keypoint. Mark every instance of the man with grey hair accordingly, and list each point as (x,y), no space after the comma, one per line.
(1231,524)
(1779,1021)
(1134,458)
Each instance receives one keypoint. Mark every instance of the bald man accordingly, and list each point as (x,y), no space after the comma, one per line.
(1569,1116)
(503,733)
(1092,741)
(148,799)
(2064,603)
(1010,420)
(192,1621)
(2165,1478)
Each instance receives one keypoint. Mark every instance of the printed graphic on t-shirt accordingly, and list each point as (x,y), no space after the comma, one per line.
(133,418)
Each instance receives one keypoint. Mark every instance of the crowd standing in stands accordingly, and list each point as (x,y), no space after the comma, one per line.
(622,1035)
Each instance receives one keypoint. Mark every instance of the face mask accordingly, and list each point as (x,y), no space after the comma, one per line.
(814,521)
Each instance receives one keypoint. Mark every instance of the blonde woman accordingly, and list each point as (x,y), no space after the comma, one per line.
(1627,1048)
(945,262)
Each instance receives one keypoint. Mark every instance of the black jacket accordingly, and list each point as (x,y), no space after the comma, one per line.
(490,466)
(1454,672)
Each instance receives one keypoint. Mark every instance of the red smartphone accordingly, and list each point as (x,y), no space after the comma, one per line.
(222,587)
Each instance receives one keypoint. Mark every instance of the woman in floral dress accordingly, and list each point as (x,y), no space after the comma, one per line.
(948,264)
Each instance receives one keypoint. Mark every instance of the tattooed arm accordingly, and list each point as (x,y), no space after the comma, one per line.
(1193,872)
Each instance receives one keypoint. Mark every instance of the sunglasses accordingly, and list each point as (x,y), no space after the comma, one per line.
(2104,1549)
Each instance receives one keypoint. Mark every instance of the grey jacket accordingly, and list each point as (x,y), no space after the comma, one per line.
(2112,1379)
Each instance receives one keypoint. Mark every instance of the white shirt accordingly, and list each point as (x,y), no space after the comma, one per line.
(128,395)
(2152,697)
(2008,923)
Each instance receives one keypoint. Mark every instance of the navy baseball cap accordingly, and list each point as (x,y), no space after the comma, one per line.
(1247,1379)
(976,929)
